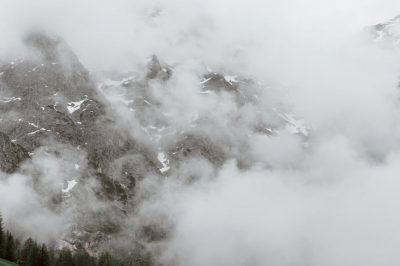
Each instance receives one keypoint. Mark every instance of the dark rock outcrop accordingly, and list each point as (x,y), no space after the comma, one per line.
(49,98)
(11,155)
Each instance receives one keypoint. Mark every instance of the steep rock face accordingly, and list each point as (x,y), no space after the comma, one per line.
(11,155)
(49,98)
(190,145)
(125,131)
(39,94)
(52,68)
(156,70)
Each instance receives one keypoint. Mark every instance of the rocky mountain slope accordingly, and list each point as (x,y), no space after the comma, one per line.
(119,132)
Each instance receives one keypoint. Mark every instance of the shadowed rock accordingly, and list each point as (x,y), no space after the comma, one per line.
(11,155)
(50,98)
(156,70)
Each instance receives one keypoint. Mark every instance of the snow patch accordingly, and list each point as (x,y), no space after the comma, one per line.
(34,125)
(296,126)
(37,131)
(230,79)
(10,99)
(204,80)
(207,92)
(164,161)
(73,106)
(71,185)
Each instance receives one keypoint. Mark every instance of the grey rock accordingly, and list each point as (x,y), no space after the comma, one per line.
(11,155)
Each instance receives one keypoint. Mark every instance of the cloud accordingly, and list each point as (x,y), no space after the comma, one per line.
(328,198)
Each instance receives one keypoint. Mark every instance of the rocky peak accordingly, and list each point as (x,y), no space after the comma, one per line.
(156,70)
(387,31)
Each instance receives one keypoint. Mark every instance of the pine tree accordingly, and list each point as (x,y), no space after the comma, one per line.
(2,239)
(82,258)
(9,253)
(43,258)
(26,252)
(52,256)
(33,255)
(107,260)
(104,260)
(17,245)
(65,258)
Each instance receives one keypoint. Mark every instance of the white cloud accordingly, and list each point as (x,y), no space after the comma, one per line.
(330,201)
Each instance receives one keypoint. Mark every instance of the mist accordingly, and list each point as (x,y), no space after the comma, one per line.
(319,188)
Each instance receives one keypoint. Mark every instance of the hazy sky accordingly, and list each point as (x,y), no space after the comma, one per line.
(331,202)
(122,31)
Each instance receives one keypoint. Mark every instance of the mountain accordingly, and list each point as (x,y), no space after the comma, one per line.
(388,31)
(50,104)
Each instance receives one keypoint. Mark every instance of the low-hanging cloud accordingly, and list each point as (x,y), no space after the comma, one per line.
(328,197)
